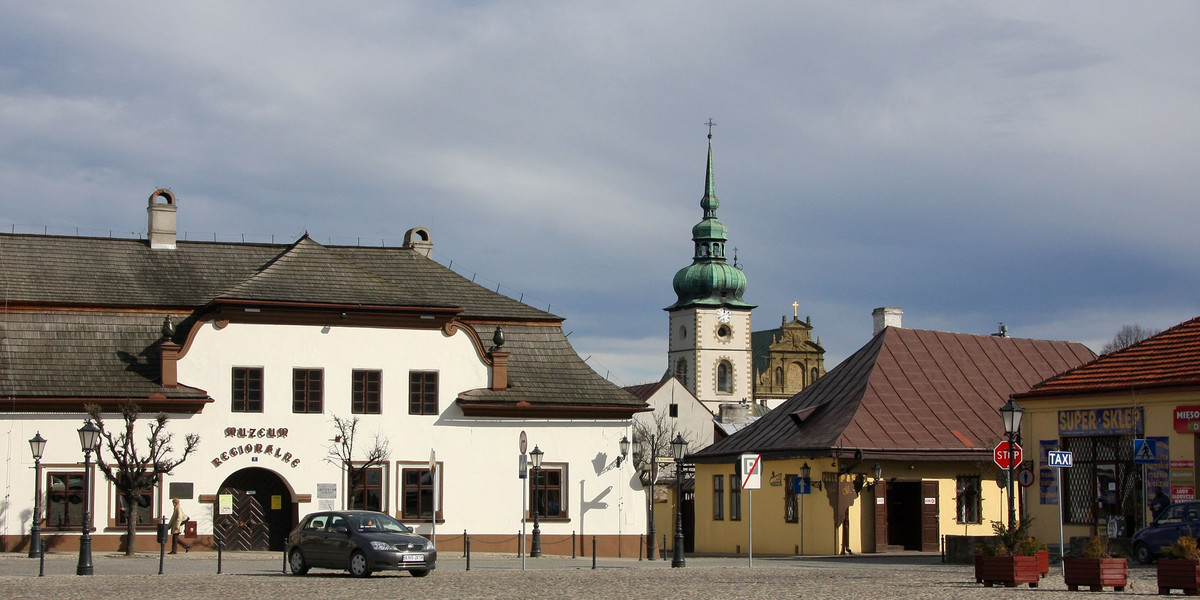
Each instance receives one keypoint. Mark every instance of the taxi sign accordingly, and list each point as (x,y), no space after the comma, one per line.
(1059,458)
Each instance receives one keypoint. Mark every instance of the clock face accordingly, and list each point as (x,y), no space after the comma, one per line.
(723,315)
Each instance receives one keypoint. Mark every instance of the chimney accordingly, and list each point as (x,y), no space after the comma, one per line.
(734,413)
(886,316)
(162,220)
(419,240)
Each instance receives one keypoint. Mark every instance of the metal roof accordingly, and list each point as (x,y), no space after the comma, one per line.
(907,393)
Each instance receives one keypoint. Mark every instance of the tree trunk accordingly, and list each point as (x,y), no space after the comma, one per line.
(131,515)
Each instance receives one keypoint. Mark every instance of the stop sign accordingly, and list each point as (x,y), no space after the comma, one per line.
(1001,455)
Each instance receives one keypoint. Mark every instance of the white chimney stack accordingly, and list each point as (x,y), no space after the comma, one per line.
(886,316)
(162,220)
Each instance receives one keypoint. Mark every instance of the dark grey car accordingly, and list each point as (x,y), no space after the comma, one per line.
(360,542)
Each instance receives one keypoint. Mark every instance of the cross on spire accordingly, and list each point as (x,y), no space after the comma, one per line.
(795,310)
(710,124)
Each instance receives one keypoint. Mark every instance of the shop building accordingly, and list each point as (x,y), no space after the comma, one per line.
(1129,420)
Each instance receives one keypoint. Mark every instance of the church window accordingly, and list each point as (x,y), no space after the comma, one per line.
(681,369)
(724,377)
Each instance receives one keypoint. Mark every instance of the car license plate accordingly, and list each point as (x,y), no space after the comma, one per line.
(412,558)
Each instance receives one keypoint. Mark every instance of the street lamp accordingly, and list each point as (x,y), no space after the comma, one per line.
(89,438)
(805,471)
(624,445)
(37,444)
(1011,413)
(535,549)
(678,445)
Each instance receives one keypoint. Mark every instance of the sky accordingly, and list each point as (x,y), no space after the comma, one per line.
(1031,163)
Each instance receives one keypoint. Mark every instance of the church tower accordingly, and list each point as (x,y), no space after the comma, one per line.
(709,341)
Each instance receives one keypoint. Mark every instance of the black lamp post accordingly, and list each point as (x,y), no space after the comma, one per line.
(1011,413)
(37,444)
(535,548)
(678,446)
(89,438)
(624,445)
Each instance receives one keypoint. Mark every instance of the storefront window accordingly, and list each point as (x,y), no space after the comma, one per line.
(1103,488)
(969,500)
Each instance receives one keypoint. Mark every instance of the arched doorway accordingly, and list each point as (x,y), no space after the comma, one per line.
(263,512)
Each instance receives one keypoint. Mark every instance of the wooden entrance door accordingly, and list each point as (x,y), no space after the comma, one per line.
(263,512)
(930,530)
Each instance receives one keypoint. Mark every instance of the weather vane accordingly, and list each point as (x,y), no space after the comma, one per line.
(710,124)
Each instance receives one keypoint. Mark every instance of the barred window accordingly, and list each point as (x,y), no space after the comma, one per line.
(969,495)
(735,498)
(791,507)
(718,497)
(1104,482)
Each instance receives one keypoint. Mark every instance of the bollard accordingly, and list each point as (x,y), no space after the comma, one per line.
(573,543)
(219,547)
(285,565)
(664,547)
(467,549)
(42,559)
(593,552)
(518,545)
(162,542)
(464,543)
(641,546)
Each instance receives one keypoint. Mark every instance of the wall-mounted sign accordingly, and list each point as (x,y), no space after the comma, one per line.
(225,504)
(326,491)
(256,432)
(267,450)
(1100,421)
(1187,419)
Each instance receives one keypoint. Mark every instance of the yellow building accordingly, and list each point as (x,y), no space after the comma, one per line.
(1150,392)
(897,440)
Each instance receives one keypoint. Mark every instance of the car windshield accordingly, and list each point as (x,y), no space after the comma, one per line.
(379,523)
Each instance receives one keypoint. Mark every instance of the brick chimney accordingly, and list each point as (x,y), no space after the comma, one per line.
(162,220)
(886,316)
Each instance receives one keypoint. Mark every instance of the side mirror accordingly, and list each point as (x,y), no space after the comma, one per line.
(342,529)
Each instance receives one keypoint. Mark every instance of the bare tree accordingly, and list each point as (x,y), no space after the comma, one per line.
(130,471)
(341,453)
(1128,335)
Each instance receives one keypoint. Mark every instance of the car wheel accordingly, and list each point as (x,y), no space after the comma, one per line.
(358,564)
(418,572)
(297,563)
(1142,553)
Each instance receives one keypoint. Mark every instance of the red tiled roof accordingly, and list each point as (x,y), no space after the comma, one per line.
(1168,360)
(908,392)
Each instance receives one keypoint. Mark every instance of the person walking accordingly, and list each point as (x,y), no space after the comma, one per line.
(178,519)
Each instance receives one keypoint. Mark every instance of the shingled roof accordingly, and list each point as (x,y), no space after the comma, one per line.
(909,393)
(1169,360)
(82,315)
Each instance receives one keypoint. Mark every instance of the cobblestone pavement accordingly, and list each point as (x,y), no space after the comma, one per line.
(259,575)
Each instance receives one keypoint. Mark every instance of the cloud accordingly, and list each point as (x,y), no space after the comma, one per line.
(970,162)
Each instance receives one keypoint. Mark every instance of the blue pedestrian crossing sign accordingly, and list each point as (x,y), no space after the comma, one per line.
(1059,458)
(1144,451)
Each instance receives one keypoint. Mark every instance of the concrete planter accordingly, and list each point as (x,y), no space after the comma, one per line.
(1095,573)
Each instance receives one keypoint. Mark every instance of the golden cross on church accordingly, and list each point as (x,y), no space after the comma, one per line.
(795,310)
